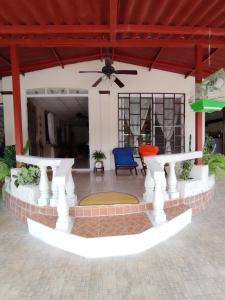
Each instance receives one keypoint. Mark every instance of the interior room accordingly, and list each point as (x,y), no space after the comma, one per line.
(60,129)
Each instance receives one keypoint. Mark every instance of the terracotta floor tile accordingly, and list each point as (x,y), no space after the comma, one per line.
(112,225)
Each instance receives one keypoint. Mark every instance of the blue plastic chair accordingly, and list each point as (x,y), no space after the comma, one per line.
(124,159)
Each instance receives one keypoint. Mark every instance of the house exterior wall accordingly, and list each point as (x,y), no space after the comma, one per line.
(103,109)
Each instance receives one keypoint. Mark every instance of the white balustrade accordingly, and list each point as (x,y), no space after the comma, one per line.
(54,188)
(149,186)
(49,192)
(43,187)
(64,221)
(157,189)
(70,190)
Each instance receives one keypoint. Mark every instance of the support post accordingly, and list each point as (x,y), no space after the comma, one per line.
(198,115)
(16,100)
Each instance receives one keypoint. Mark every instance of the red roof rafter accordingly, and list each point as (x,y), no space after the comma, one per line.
(58,58)
(113,18)
(155,59)
(204,60)
(5,60)
(117,57)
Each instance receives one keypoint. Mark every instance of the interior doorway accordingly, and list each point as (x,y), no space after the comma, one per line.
(59,127)
(214,127)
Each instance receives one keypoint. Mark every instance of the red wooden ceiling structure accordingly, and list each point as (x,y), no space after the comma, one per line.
(158,34)
(182,36)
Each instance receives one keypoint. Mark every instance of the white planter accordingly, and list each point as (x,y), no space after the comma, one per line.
(188,187)
(200,172)
(28,193)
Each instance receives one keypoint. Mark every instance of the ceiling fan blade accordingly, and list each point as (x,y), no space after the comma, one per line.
(127,72)
(119,83)
(97,82)
(90,71)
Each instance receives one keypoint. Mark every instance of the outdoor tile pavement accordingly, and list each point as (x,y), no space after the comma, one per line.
(113,225)
(191,265)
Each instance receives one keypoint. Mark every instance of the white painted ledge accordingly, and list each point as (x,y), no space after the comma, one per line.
(113,245)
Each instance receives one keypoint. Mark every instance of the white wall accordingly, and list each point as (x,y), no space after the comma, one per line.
(103,109)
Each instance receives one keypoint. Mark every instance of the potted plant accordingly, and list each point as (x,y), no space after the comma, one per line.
(26,175)
(98,155)
(215,161)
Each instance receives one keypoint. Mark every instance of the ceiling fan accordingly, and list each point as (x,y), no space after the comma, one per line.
(108,70)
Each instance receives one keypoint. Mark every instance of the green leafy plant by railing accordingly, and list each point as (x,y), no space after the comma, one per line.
(98,155)
(184,169)
(216,163)
(4,170)
(28,174)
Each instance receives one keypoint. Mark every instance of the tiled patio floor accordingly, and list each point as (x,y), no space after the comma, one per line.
(190,265)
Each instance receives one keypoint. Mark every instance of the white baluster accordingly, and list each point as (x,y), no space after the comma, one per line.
(149,187)
(54,188)
(64,221)
(172,182)
(70,190)
(164,183)
(43,187)
(158,215)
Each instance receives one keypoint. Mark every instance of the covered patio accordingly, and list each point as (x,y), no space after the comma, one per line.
(80,77)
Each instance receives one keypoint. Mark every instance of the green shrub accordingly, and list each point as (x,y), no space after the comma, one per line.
(4,170)
(216,163)
(184,169)
(10,156)
(28,174)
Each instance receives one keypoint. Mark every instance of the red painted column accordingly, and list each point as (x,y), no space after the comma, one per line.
(198,115)
(16,100)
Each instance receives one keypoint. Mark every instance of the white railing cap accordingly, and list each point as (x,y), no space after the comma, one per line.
(167,158)
(43,161)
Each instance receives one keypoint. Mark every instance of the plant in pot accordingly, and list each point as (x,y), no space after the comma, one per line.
(99,155)
(27,174)
(183,170)
(215,161)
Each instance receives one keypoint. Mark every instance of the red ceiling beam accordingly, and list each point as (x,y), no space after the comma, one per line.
(155,59)
(113,8)
(117,57)
(123,28)
(53,29)
(204,60)
(58,58)
(167,29)
(122,43)
(145,62)
(65,61)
